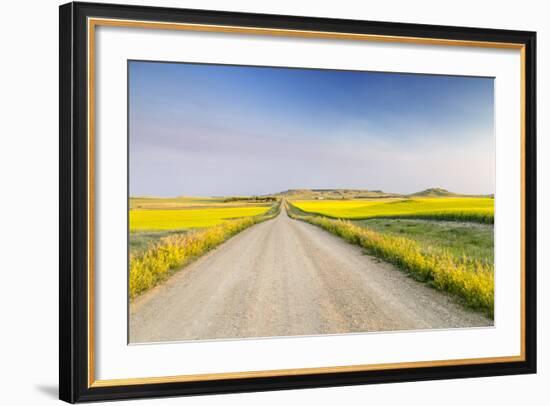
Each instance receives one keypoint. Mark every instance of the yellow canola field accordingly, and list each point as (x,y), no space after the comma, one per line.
(478,209)
(189,218)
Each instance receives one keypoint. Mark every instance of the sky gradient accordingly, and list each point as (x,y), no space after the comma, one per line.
(218,130)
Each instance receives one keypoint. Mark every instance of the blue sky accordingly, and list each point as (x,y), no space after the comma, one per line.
(210,130)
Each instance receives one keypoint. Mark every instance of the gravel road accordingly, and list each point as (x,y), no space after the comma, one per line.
(284,277)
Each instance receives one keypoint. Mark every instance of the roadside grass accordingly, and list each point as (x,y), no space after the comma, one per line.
(470,241)
(141,240)
(470,280)
(475,209)
(172,252)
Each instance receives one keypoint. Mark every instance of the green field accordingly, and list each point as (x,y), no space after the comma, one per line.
(477,209)
(141,240)
(462,240)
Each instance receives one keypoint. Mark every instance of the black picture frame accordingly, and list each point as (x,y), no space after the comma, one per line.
(74,200)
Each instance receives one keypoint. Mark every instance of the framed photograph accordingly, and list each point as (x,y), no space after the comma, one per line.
(258,202)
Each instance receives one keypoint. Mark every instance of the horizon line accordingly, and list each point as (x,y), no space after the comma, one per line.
(305,189)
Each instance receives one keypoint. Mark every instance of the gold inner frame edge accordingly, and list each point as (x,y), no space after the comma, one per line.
(94,22)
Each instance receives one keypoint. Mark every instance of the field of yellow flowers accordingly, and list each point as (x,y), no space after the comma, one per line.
(162,258)
(171,219)
(477,209)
